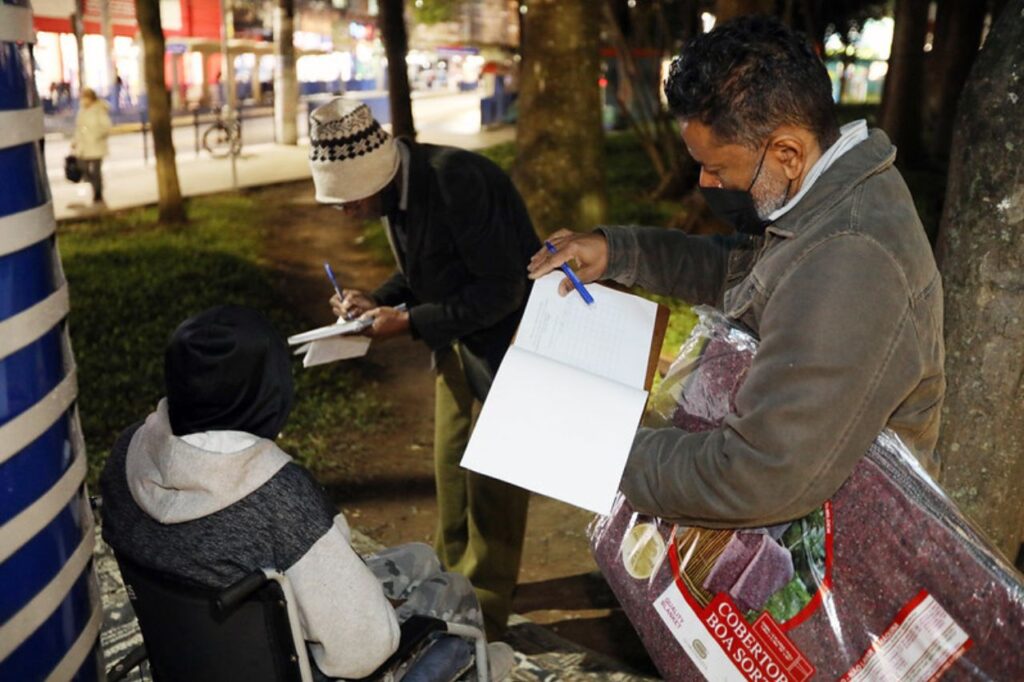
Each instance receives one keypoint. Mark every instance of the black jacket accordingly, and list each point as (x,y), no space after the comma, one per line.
(468,239)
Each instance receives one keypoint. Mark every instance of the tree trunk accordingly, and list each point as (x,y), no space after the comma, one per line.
(640,102)
(688,19)
(843,80)
(730,9)
(396,45)
(286,84)
(981,252)
(107,29)
(559,166)
(78,26)
(901,103)
(997,9)
(226,80)
(815,24)
(521,18)
(958,26)
(171,206)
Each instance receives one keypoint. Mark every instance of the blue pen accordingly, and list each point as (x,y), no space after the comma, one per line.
(572,276)
(334,282)
(330,276)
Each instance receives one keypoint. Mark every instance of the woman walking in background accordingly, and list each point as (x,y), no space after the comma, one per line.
(92,126)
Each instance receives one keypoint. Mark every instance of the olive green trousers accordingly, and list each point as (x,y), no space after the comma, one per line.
(481,520)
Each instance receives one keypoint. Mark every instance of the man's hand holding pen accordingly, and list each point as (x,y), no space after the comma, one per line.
(588,249)
(387,322)
(352,304)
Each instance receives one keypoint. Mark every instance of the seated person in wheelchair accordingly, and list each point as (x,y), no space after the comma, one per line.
(200,491)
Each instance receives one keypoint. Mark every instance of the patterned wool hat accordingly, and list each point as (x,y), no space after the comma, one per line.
(350,154)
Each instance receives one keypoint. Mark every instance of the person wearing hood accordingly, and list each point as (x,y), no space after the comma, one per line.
(92,127)
(829,266)
(200,491)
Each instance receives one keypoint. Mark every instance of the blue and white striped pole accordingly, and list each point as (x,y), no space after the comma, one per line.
(50,610)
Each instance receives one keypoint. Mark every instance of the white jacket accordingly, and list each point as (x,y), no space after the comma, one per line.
(92,127)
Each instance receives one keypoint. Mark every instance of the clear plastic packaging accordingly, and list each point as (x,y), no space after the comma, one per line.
(887,580)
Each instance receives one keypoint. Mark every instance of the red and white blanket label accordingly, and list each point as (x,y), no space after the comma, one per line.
(694,637)
(920,645)
(724,646)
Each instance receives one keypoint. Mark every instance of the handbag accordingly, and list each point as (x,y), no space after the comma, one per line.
(72,169)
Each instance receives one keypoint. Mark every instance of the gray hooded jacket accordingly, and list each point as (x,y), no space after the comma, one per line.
(845,296)
(212,517)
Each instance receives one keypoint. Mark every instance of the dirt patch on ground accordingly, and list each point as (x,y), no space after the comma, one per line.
(386,488)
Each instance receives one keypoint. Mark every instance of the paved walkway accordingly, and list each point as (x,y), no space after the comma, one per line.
(129,184)
(541,656)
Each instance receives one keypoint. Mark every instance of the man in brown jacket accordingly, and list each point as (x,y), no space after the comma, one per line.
(829,267)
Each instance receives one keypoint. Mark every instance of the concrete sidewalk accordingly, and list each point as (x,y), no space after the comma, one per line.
(128,184)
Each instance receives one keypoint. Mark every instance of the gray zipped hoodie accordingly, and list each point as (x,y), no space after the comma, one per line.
(212,517)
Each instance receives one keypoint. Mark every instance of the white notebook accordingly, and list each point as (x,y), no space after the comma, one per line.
(566,402)
(323,351)
(339,328)
(342,340)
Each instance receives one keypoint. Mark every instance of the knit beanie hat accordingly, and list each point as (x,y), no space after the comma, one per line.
(227,369)
(350,154)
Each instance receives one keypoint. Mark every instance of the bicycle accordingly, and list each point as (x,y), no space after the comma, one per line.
(223,138)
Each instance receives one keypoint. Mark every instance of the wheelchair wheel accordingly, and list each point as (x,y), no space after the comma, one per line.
(219,141)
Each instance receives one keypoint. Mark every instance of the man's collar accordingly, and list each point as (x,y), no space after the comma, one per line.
(846,172)
(850,135)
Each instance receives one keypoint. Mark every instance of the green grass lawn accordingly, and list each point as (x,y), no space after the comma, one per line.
(133,282)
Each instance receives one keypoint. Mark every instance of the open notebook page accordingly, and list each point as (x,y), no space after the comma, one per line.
(556,430)
(611,338)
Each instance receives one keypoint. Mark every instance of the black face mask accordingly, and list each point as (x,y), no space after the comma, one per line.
(736,206)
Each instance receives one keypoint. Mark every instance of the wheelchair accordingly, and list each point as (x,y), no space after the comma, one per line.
(248,631)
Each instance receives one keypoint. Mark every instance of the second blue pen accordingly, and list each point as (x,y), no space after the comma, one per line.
(571,275)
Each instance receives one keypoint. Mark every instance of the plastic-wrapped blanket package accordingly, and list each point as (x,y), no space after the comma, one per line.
(887,581)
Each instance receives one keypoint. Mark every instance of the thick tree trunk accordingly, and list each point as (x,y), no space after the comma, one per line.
(901,103)
(286,84)
(396,45)
(559,166)
(958,26)
(171,206)
(981,251)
